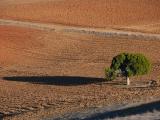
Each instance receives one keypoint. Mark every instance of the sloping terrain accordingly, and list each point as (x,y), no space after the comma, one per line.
(95,13)
(61,67)
(67,57)
(137,111)
(67,51)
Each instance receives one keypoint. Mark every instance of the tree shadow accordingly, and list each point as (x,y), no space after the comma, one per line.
(1,116)
(144,108)
(56,80)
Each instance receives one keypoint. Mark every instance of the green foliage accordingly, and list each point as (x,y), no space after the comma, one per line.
(129,65)
(110,74)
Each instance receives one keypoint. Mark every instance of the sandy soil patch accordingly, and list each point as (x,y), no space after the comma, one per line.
(142,110)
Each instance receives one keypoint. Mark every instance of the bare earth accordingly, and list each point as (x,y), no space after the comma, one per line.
(50,67)
(57,54)
(135,14)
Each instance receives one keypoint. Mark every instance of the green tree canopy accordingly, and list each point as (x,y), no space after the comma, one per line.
(129,64)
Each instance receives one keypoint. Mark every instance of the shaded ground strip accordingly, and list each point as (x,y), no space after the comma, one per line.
(114,112)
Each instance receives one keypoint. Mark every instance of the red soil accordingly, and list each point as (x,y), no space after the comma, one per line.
(27,52)
(14,41)
(95,13)
(61,53)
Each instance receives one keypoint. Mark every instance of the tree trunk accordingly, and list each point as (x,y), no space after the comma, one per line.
(128,81)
